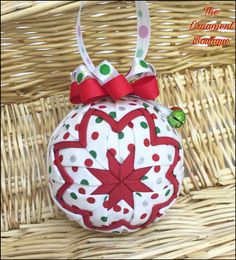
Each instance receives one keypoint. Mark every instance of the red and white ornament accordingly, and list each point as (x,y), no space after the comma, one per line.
(115,165)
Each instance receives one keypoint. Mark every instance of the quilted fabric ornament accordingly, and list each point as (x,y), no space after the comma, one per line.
(116,162)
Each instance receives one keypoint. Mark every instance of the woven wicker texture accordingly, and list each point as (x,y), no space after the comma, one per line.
(38,52)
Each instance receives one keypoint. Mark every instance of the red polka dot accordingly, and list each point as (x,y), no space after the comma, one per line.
(61,158)
(77,126)
(155,157)
(154,116)
(126,210)
(91,200)
(165,187)
(75,169)
(74,115)
(88,162)
(95,135)
(154,196)
(157,168)
(146,142)
(131,147)
(66,135)
(112,151)
(105,204)
(81,190)
(132,104)
(130,124)
(102,106)
(117,208)
(143,216)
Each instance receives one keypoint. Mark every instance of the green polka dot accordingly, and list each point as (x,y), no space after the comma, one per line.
(180,147)
(99,120)
(144,125)
(143,64)
(105,69)
(67,126)
(104,219)
(139,53)
(145,105)
(105,198)
(139,194)
(112,114)
(84,182)
(94,154)
(50,169)
(167,193)
(80,77)
(121,135)
(116,232)
(144,178)
(158,130)
(73,195)
(140,13)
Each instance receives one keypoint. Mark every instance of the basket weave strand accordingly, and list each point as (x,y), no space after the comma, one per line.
(38,52)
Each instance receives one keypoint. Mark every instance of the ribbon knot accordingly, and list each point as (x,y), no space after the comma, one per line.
(87,87)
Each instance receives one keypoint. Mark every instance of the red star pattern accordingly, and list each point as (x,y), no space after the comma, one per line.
(121,180)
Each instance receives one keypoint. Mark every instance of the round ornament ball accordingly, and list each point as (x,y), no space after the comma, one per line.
(115,166)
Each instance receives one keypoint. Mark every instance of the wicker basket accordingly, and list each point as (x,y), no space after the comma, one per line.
(38,52)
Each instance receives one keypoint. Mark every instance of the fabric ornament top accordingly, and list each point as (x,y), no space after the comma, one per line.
(115,162)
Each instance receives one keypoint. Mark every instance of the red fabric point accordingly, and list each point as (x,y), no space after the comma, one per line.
(143,216)
(157,168)
(81,190)
(117,208)
(126,211)
(105,204)
(132,104)
(95,135)
(155,157)
(66,135)
(130,124)
(75,169)
(73,115)
(146,142)
(102,106)
(154,196)
(112,151)
(88,162)
(91,200)
(131,147)
(77,126)
(61,158)
(154,116)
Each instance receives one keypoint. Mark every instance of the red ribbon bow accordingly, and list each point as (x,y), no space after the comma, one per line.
(90,90)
